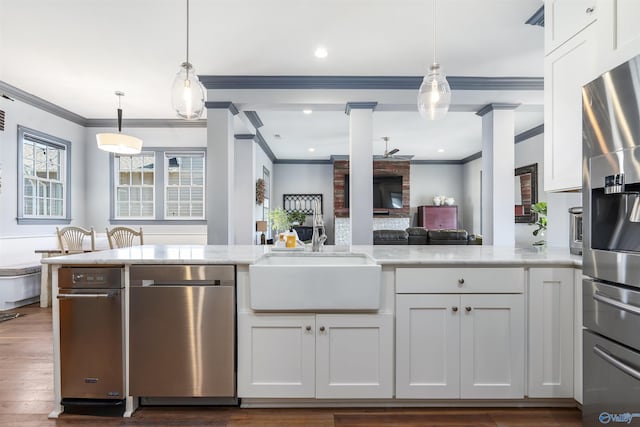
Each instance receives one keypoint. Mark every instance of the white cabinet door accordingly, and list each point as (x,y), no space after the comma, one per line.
(492,346)
(276,355)
(566,70)
(565,18)
(354,356)
(428,346)
(618,32)
(551,332)
(577,337)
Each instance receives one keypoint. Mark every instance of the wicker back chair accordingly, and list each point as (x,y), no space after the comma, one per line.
(71,239)
(123,237)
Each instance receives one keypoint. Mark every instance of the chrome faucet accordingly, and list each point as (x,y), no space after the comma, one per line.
(319,237)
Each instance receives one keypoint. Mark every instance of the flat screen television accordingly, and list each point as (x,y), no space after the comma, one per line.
(387,192)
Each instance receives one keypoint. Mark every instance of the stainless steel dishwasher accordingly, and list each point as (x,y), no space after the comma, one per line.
(182,331)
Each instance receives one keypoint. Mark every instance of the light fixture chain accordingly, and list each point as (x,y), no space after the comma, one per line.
(187,35)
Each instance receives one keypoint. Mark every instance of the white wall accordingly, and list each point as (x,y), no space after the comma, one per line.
(263,161)
(17,242)
(471,173)
(526,152)
(428,181)
(306,179)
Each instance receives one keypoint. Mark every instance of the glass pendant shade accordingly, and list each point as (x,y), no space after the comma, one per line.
(119,143)
(187,93)
(434,96)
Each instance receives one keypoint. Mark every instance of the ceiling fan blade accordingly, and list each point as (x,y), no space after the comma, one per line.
(392,152)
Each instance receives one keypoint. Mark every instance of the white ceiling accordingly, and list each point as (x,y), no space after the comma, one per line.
(76,53)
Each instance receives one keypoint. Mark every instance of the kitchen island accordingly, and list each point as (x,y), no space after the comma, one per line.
(454,324)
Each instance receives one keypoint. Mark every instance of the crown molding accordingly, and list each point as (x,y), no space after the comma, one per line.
(146,123)
(302,162)
(254,119)
(359,106)
(368,82)
(265,147)
(537,18)
(228,105)
(534,131)
(496,106)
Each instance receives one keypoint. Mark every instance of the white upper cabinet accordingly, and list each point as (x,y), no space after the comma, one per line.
(564,19)
(618,32)
(566,70)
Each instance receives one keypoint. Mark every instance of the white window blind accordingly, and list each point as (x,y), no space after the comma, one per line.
(135,186)
(184,185)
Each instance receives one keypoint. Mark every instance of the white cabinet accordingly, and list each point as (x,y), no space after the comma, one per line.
(551,332)
(618,32)
(276,355)
(565,18)
(566,70)
(308,355)
(577,337)
(460,346)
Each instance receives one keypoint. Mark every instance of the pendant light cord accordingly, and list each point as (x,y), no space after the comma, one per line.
(187,31)
(434,31)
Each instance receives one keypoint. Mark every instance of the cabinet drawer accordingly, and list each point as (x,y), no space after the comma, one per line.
(459,280)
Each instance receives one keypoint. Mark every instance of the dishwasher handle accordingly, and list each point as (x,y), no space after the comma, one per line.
(157,283)
(73,296)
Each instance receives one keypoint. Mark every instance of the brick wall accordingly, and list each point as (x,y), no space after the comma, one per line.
(380,168)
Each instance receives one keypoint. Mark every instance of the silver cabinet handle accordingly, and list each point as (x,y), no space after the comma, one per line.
(321,328)
(589,10)
(468,309)
(71,296)
(607,357)
(599,296)
(461,281)
(308,328)
(454,309)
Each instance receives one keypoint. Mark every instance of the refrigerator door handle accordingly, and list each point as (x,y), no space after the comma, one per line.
(607,357)
(599,296)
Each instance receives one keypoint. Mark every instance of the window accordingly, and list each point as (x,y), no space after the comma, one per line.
(135,180)
(184,190)
(44,167)
(157,186)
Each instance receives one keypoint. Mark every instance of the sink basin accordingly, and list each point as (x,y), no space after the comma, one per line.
(314,282)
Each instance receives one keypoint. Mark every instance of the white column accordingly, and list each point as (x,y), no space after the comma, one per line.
(361,172)
(245,190)
(498,174)
(220,175)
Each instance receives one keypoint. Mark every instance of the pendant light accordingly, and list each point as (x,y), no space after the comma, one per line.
(434,96)
(187,93)
(119,142)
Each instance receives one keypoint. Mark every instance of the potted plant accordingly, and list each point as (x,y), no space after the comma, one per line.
(297,217)
(540,209)
(279,220)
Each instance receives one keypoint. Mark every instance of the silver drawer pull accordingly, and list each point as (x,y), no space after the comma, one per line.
(607,357)
(599,296)
(71,296)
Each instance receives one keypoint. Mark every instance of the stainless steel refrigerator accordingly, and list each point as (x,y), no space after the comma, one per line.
(611,252)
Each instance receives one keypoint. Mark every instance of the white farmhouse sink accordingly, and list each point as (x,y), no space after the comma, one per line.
(315,281)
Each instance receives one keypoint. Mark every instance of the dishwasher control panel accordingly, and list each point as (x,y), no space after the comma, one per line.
(90,277)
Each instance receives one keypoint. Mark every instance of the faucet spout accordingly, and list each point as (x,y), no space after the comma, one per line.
(319,236)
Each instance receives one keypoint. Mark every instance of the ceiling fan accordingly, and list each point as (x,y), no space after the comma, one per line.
(388,153)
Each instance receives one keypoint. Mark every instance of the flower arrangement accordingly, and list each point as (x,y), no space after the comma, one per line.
(260,188)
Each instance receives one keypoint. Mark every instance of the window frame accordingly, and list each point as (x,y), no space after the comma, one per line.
(160,180)
(166,186)
(141,186)
(50,141)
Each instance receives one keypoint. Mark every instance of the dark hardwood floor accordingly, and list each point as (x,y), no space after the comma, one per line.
(26,397)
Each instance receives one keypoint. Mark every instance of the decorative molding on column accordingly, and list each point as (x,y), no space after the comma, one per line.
(360,106)
(222,105)
(253,117)
(265,147)
(496,106)
(368,82)
(537,18)
(244,136)
(534,131)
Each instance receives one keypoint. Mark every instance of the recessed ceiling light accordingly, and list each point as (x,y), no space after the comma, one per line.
(321,52)
(307,111)
(311,150)
(440,150)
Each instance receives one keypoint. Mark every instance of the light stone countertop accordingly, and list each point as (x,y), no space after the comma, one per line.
(427,255)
